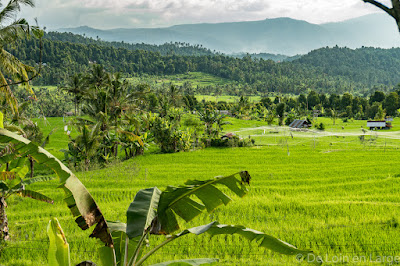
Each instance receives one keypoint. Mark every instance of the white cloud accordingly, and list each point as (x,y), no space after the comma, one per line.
(156,13)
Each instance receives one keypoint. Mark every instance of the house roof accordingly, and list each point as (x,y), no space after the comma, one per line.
(297,123)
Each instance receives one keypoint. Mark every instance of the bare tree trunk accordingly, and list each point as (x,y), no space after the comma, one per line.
(3,220)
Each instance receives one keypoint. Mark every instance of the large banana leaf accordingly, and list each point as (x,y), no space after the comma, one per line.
(142,211)
(58,247)
(78,198)
(1,120)
(120,238)
(263,239)
(35,195)
(177,201)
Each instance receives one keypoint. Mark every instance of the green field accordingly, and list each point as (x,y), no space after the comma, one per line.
(194,78)
(225,98)
(327,191)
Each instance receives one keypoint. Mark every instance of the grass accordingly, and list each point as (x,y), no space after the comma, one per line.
(194,78)
(328,191)
(225,98)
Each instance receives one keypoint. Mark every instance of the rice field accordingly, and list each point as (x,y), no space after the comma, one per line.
(194,78)
(331,191)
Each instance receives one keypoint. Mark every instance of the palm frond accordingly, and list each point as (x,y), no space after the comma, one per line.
(13,7)
(14,30)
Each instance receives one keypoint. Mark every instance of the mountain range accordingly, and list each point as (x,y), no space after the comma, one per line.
(277,36)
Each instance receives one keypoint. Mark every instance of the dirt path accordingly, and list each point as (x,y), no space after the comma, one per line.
(269,131)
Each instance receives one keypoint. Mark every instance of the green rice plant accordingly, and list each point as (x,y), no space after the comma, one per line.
(78,199)
(151,213)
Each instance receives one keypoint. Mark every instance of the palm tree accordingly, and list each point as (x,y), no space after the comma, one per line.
(10,66)
(75,87)
(98,77)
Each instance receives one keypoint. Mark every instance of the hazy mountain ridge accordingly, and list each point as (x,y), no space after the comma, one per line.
(277,36)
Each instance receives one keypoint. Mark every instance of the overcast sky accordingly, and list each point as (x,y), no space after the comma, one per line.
(106,14)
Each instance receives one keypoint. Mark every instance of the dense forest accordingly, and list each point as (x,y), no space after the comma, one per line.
(177,48)
(328,70)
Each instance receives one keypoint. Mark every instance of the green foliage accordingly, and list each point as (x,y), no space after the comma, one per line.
(59,254)
(156,212)
(213,122)
(137,220)
(13,70)
(320,126)
(175,201)
(333,70)
(280,111)
(176,48)
(49,102)
(233,141)
(283,194)
(12,172)
(169,137)
(78,199)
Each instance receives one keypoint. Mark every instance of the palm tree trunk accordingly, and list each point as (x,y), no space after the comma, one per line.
(76,106)
(32,163)
(3,220)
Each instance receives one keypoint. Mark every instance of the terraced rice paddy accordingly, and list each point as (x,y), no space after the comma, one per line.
(329,192)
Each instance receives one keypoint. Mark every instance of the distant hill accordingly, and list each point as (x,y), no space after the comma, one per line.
(275,36)
(328,70)
(164,49)
(267,56)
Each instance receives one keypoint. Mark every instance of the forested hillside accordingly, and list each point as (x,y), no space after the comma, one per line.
(177,48)
(329,70)
(367,65)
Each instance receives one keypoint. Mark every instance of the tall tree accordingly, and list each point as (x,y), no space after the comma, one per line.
(10,67)
(75,87)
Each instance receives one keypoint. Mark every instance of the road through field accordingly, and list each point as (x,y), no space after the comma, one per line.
(311,133)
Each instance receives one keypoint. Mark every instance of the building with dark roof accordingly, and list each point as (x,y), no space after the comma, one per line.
(297,123)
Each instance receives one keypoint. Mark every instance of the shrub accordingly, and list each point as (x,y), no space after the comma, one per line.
(320,126)
(235,141)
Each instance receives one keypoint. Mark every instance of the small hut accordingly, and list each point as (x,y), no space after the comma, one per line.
(298,123)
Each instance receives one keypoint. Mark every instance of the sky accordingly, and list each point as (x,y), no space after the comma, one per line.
(108,14)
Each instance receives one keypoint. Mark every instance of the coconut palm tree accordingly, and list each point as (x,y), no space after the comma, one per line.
(75,87)
(13,71)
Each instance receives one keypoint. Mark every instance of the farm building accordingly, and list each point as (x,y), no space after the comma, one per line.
(382,124)
(298,123)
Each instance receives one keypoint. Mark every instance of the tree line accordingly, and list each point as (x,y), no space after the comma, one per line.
(328,70)
(177,48)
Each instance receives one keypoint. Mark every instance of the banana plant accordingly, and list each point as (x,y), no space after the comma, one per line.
(12,182)
(58,253)
(155,212)
(82,205)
